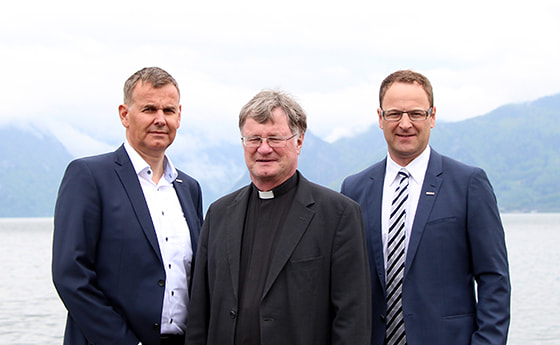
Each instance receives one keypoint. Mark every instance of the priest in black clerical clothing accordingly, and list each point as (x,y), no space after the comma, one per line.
(282,260)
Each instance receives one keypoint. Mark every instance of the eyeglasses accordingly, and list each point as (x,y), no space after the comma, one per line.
(413,115)
(271,141)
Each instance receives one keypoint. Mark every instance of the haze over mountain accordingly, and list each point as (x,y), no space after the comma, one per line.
(517,145)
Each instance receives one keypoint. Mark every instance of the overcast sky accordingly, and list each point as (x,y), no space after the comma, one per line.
(64,62)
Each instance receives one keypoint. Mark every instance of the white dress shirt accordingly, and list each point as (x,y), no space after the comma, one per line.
(417,170)
(173,238)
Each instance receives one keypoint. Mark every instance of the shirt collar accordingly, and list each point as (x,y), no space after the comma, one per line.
(141,167)
(417,168)
(279,190)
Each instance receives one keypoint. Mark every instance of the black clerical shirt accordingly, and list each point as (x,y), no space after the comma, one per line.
(266,214)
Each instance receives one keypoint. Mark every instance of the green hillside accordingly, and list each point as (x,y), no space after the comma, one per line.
(516,144)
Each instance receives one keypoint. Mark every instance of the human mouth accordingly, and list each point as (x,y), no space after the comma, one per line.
(405,135)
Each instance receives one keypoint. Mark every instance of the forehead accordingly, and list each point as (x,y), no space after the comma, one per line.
(277,123)
(147,93)
(405,95)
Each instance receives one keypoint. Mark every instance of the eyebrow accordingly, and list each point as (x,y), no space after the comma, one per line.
(164,108)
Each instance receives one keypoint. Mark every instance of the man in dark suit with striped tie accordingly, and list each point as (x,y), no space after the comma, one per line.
(437,253)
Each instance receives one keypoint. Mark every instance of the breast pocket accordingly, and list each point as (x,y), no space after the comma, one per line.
(306,273)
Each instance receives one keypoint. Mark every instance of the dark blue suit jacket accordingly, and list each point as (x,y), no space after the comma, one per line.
(107,265)
(457,238)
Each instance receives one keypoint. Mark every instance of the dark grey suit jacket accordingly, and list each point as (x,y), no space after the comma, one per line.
(317,290)
(457,239)
(107,265)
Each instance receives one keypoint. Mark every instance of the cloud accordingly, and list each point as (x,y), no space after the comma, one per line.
(77,143)
(66,62)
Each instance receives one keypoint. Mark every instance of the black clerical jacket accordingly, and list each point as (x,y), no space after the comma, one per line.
(317,290)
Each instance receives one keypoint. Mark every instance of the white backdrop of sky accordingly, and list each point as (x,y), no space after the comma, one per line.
(64,62)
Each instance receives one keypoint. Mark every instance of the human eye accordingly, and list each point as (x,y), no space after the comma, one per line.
(253,140)
(275,140)
(169,111)
(393,114)
(149,109)
(417,114)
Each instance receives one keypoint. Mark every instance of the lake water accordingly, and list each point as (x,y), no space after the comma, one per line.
(32,314)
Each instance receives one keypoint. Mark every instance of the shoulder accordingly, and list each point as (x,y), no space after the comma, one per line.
(94,163)
(324,196)
(375,170)
(459,174)
(230,198)
(457,168)
(95,159)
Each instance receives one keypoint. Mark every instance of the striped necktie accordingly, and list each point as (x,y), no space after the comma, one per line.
(395,333)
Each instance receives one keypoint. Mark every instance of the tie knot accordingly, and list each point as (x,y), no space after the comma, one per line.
(403,173)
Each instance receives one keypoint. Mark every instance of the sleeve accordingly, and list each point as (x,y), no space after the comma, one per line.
(489,260)
(77,227)
(350,281)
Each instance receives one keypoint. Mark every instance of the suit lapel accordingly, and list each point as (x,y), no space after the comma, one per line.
(234,233)
(129,180)
(373,202)
(296,224)
(189,211)
(428,195)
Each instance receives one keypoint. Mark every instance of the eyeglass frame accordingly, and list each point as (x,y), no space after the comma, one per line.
(426,114)
(283,141)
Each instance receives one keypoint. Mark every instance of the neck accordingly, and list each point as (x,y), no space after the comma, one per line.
(155,163)
(268,185)
(264,186)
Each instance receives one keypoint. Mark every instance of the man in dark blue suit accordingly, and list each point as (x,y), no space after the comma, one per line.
(452,284)
(126,228)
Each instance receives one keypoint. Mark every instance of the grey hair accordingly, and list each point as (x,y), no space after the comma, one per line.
(153,75)
(260,109)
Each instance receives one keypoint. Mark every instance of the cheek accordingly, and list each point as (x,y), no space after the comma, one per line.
(248,156)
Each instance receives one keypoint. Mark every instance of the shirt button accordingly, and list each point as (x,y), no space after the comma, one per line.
(232,314)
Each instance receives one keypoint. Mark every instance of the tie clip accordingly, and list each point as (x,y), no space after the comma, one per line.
(431,193)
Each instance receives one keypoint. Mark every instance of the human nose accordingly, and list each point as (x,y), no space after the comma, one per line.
(405,121)
(264,146)
(159,118)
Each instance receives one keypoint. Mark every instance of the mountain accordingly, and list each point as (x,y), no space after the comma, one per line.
(515,144)
(31,166)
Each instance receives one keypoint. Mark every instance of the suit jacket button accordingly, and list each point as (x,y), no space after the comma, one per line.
(161,282)
(156,326)
(232,314)
(382,317)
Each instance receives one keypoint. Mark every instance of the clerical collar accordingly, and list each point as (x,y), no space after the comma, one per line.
(266,195)
(278,191)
